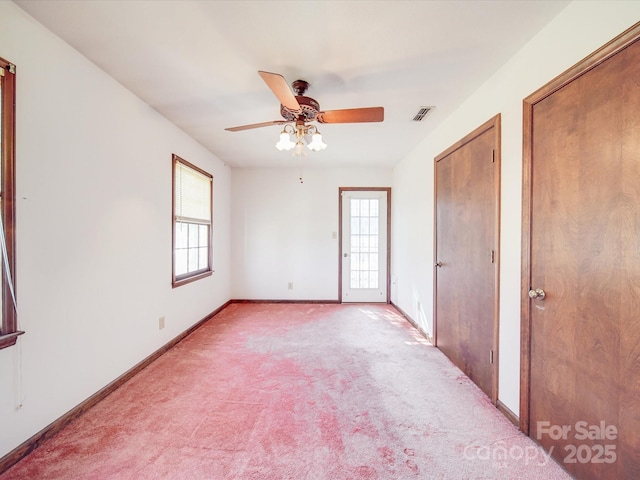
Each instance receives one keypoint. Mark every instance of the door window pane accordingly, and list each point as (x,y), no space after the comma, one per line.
(364,251)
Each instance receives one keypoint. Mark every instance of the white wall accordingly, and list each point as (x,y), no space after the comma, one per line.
(282,230)
(93,231)
(577,31)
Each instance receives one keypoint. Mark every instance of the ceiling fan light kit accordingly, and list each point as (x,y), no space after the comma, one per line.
(300,131)
(301,109)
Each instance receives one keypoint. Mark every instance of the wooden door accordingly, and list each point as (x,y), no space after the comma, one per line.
(581,340)
(466,268)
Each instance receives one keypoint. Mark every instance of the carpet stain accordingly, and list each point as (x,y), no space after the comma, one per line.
(365,426)
(365,473)
(388,457)
(331,431)
(411,465)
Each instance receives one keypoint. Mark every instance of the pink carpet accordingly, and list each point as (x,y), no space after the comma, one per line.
(300,392)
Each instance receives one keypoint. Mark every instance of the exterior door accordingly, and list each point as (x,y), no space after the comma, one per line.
(466,269)
(364,255)
(581,271)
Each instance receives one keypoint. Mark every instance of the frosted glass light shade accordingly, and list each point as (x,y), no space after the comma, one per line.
(299,151)
(316,143)
(285,142)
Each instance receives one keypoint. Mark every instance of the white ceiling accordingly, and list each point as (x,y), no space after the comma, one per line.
(196,62)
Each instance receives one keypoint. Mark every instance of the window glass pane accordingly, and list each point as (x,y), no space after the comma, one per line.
(181,262)
(192,259)
(373,208)
(364,247)
(355,262)
(355,243)
(373,244)
(373,261)
(204,235)
(355,277)
(364,225)
(364,208)
(355,225)
(181,235)
(364,261)
(203,258)
(192,249)
(193,235)
(355,207)
(373,225)
(364,243)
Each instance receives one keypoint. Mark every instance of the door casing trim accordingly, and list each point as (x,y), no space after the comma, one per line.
(493,122)
(622,41)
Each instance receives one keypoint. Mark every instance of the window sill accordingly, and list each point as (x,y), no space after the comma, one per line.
(9,339)
(184,281)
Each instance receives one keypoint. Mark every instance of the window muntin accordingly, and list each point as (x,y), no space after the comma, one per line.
(192,222)
(8,321)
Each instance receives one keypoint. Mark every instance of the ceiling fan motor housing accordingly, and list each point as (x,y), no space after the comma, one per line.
(309,108)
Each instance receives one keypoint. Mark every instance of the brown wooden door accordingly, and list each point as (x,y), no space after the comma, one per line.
(466,255)
(584,229)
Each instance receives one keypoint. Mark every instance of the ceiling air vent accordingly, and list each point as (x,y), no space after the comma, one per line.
(423,112)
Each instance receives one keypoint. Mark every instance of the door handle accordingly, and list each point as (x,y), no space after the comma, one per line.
(438,264)
(537,294)
(345,255)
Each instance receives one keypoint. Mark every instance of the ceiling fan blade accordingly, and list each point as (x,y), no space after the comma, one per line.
(280,89)
(352,115)
(256,125)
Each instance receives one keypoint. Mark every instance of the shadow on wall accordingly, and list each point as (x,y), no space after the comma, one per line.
(420,318)
(416,315)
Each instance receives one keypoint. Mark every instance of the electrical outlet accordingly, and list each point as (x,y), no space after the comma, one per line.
(161,323)
(290,285)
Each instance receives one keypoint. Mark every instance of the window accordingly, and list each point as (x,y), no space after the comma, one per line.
(364,247)
(8,323)
(192,206)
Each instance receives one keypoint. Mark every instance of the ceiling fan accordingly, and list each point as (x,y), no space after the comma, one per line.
(300,109)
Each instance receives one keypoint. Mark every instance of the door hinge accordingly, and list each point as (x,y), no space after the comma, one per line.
(493,156)
(490,356)
(493,256)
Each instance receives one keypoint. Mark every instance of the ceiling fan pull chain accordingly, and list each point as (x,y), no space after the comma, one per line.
(301,167)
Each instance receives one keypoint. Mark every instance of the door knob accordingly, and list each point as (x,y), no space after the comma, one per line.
(438,264)
(538,294)
(346,255)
